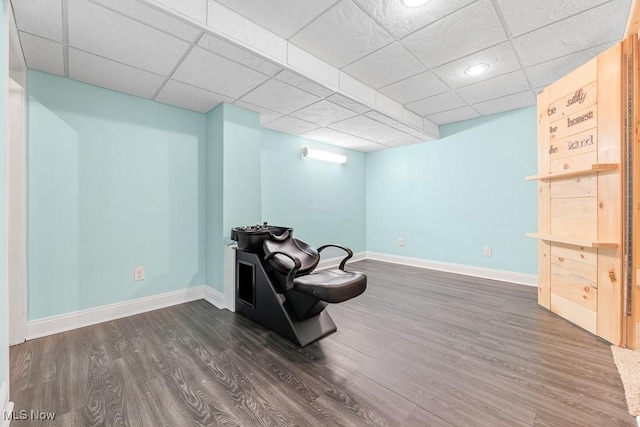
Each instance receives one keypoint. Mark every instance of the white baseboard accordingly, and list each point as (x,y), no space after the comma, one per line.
(467,270)
(334,262)
(5,405)
(79,319)
(214,297)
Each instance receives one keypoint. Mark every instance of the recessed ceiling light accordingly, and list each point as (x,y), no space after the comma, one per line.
(414,3)
(476,70)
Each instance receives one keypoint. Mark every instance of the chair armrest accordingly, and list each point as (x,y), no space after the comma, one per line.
(292,273)
(345,259)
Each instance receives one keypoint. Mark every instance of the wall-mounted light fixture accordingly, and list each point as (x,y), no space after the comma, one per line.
(312,153)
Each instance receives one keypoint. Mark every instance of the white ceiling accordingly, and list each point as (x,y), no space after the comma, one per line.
(362,74)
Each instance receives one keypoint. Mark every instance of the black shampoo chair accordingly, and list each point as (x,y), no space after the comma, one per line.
(310,292)
(278,287)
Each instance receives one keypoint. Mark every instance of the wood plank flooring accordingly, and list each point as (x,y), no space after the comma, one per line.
(418,348)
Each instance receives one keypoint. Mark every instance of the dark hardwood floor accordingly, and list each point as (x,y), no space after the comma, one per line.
(418,348)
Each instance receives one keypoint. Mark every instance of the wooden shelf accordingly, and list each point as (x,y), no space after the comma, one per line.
(598,167)
(573,241)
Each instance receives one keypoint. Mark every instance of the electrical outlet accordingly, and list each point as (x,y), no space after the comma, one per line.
(400,241)
(487,251)
(138,274)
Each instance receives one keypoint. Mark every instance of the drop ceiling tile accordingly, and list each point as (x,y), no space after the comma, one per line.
(40,17)
(402,140)
(342,35)
(510,102)
(324,134)
(501,59)
(214,73)
(400,20)
(525,16)
(108,74)
(544,74)
(238,54)
(367,128)
(189,97)
(496,87)
(151,17)
(348,103)
(279,96)
(385,66)
(282,17)
(266,115)
(466,31)
(355,143)
(95,29)
(195,9)
(42,54)
(606,24)
(290,125)
(455,115)
(417,87)
(323,113)
(436,104)
(379,117)
(303,83)
(411,131)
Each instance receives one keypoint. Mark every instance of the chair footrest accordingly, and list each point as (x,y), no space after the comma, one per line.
(332,286)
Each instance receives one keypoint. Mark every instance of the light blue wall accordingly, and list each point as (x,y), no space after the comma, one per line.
(114,182)
(452,197)
(324,202)
(214,188)
(233,181)
(4,312)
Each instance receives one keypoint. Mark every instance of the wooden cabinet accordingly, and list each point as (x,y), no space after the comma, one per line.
(580,196)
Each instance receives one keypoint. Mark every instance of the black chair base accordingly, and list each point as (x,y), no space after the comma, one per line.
(258,299)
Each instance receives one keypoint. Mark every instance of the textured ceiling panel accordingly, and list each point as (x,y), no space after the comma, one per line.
(196,9)
(189,97)
(402,140)
(105,33)
(209,71)
(42,54)
(355,143)
(435,104)
(324,134)
(367,128)
(112,75)
(283,17)
(571,35)
(544,74)
(468,30)
(348,103)
(400,20)
(501,60)
(303,83)
(323,113)
(511,102)
(417,87)
(342,35)
(379,117)
(151,17)
(278,96)
(385,66)
(266,115)
(496,87)
(411,131)
(290,125)
(40,17)
(238,54)
(525,16)
(455,115)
